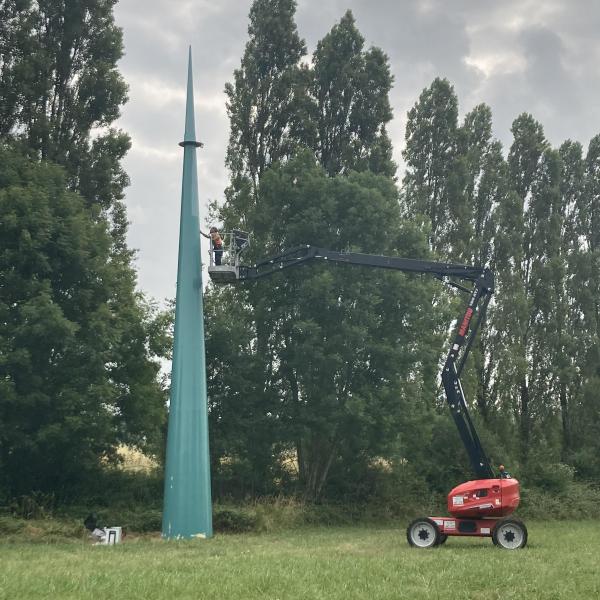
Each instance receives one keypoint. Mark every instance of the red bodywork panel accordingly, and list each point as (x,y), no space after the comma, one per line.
(484,498)
(472,527)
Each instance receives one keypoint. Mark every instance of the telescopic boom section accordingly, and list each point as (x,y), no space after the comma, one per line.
(302,254)
(482,287)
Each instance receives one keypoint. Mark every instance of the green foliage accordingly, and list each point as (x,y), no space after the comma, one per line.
(350,91)
(234,520)
(140,518)
(10,526)
(525,217)
(315,377)
(335,354)
(59,76)
(576,501)
(36,505)
(115,488)
(338,108)
(40,531)
(330,371)
(554,478)
(76,373)
(266,96)
(430,155)
(322,382)
(78,345)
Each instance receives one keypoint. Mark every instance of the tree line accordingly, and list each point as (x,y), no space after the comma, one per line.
(323,381)
(79,345)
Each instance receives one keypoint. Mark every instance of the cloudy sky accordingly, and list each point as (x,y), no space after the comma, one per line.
(515,55)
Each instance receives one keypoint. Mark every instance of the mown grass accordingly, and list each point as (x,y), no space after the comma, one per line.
(562,560)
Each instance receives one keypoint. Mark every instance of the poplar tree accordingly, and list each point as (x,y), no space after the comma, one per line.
(59,71)
(533,175)
(455,181)
(11,53)
(350,90)
(430,155)
(266,105)
(481,172)
(585,286)
(265,100)
(568,332)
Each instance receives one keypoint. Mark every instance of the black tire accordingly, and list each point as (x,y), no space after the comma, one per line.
(423,533)
(443,538)
(510,534)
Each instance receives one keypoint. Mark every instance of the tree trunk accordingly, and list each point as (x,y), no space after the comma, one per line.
(565,417)
(318,455)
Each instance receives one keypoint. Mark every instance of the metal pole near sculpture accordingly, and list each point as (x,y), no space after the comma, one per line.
(187,504)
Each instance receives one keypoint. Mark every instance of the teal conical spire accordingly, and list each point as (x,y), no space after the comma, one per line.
(187,505)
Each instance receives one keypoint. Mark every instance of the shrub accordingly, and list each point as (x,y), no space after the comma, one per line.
(10,525)
(36,505)
(114,487)
(555,478)
(577,501)
(235,520)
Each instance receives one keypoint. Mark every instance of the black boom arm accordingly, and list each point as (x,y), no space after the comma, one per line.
(481,289)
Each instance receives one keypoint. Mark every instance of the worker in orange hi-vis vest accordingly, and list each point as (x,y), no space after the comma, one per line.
(217,243)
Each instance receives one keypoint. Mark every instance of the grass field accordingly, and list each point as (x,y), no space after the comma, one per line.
(562,560)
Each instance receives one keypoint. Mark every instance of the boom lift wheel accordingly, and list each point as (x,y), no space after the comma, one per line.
(423,533)
(510,534)
(443,538)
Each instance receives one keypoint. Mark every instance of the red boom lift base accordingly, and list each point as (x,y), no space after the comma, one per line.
(478,508)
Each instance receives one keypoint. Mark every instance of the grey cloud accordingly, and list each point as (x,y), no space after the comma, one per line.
(546,72)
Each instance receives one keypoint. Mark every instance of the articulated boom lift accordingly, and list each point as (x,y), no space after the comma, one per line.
(479,507)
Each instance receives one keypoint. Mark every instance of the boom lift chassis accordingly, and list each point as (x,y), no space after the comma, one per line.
(480,507)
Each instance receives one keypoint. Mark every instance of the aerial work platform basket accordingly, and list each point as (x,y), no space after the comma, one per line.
(234,243)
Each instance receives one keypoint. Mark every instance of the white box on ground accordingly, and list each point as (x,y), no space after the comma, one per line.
(113,536)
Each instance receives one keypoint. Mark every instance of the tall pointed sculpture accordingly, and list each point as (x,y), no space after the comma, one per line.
(187,509)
